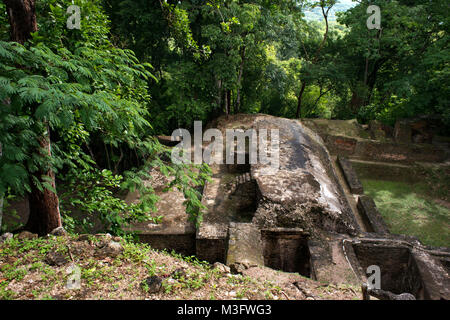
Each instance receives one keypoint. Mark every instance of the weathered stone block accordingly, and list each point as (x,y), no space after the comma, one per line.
(402,132)
(368,210)
(244,245)
(341,145)
(376,130)
(350,175)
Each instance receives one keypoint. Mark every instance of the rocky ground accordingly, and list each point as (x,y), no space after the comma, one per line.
(114,268)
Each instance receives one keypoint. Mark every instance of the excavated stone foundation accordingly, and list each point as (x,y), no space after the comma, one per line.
(399,272)
(306,217)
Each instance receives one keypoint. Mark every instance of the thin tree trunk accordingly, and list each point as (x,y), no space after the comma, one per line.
(219,96)
(227,110)
(1,213)
(238,93)
(1,197)
(357,102)
(299,100)
(108,162)
(44,205)
(229,101)
(321,94)
(116,167)
(366,71)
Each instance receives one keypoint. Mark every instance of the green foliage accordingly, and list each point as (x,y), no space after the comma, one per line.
(253,55)
(52,19)
(408,71)
(80,87)
(62,93)
(4,23)
(91,193)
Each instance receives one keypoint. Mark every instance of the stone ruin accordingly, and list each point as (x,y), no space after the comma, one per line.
(310,217)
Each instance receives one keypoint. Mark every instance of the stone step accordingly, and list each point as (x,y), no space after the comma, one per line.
(240,180)
(350,175)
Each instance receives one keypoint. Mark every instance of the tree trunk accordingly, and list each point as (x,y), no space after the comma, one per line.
(1,198)
(22,19)
(44,205)
(357,102)
(299,100)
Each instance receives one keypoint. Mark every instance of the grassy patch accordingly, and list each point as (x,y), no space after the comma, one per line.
(410,209)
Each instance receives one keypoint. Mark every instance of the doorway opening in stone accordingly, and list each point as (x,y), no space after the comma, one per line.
(243,194)
(244,199)
(286,250)
(399,271)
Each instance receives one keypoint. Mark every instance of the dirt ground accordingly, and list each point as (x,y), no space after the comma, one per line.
(27,271)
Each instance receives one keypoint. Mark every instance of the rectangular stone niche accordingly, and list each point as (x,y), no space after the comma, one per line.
(399,271)
(286,250)
(183,243)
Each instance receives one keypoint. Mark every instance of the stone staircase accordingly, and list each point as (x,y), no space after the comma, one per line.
(241,180)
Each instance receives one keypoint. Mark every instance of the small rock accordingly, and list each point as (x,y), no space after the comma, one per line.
(25,235)
(405,296)
(179,273)
(104,236)
(110,249)
(79,248)
(83,237)
(231,294)
(238,268)
(6,236)
(221,267)
(154,284)
(104,240)
(310,298)
(55,259)
(59,232)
